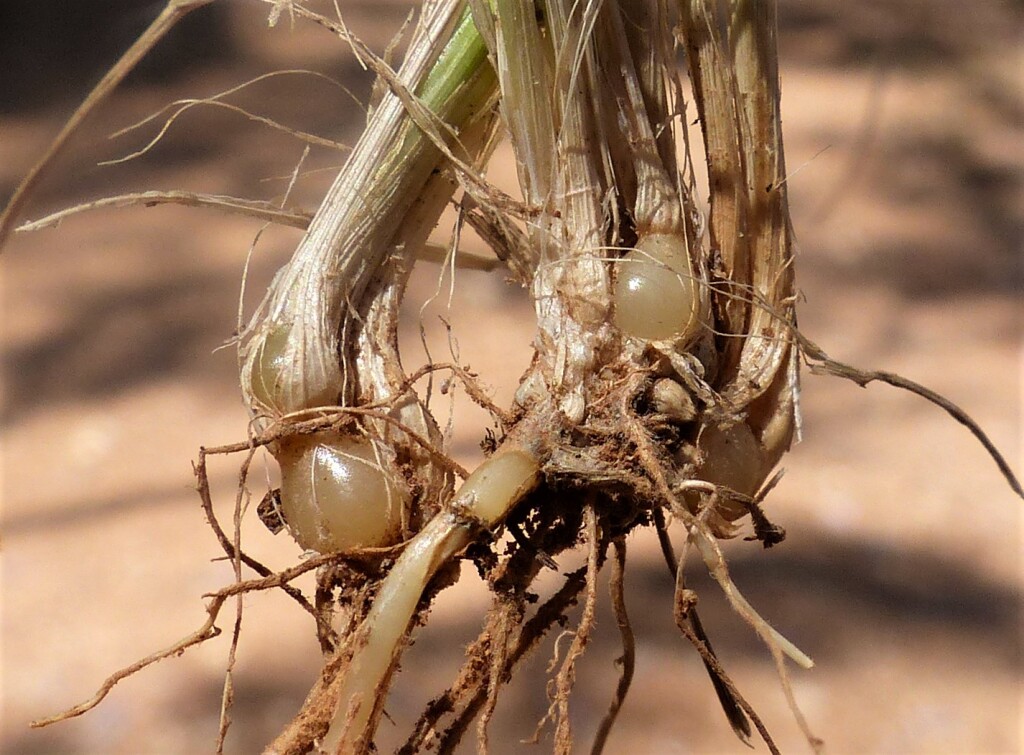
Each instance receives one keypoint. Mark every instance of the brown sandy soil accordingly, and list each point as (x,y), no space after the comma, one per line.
(901,574)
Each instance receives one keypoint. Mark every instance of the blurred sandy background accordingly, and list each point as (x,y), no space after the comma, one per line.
(901,574)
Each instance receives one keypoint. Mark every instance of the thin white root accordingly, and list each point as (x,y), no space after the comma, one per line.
(776,643)
(715,562)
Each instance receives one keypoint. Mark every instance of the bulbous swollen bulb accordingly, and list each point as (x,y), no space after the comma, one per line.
(267,368)
(732,458)
(276,378)
(656,296)
(337,495)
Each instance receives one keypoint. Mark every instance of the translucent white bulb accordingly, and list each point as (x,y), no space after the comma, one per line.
(732,458)
(276,378)
(655,292)
(336,495)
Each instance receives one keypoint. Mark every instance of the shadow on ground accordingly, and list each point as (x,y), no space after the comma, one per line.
(827,594)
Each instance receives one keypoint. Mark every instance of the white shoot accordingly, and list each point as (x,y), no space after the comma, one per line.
(484,500)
